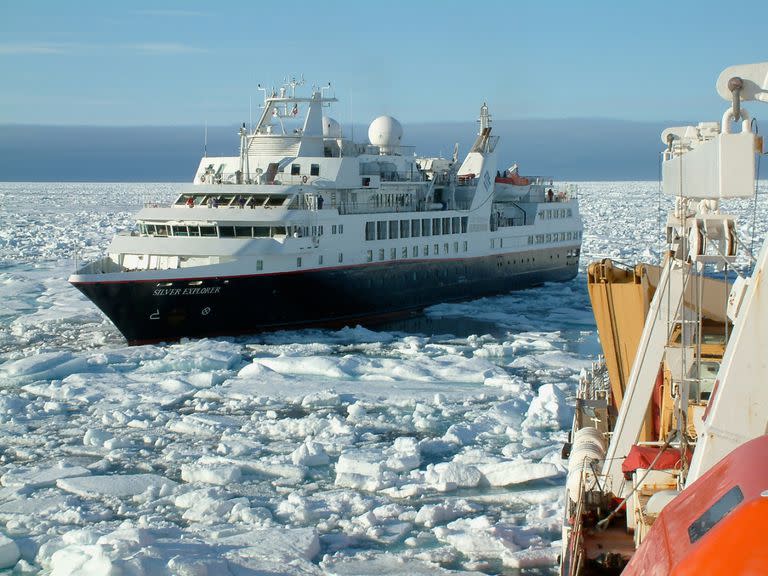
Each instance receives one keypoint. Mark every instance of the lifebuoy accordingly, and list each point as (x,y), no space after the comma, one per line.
(202,178)
(304,179)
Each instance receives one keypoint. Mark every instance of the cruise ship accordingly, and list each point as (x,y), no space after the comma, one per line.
(305,227)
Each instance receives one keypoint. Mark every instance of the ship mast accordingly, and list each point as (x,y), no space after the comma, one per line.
(702,165)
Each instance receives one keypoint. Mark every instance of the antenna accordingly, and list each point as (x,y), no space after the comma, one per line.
(250,113)
(323,90)
(205,142)
(260,88)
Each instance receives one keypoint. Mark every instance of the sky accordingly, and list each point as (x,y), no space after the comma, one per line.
(186,63)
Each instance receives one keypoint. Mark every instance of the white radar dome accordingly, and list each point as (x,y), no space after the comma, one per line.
(386,133)
(331,128)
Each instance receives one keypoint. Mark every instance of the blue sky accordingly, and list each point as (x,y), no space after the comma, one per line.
(185,63)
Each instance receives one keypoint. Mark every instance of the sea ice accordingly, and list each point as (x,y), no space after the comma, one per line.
(38,477)
(479,538)
(220,474)
(548,410)
(9,552)
(452,474)
(517,472)
(116,485)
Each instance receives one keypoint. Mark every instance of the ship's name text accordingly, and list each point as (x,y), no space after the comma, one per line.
(186,291)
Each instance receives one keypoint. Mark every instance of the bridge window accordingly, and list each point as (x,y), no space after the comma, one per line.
(464,220)
(415,228)
(405,228)
(393,229)
(295,169)
(381,230)
(314,169)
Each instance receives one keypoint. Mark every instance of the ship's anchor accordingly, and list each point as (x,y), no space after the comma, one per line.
(155,315)
(205,311)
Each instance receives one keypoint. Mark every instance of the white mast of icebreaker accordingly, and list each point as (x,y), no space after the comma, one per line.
(738,407)
(701,165)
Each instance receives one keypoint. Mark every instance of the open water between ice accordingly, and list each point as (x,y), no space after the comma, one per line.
(427,447)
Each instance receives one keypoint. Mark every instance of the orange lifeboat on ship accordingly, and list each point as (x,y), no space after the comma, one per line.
(513,179)
(717,525)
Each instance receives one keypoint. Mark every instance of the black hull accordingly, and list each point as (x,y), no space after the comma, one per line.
(148,311)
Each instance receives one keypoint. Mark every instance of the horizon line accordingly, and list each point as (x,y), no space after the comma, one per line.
(416,123)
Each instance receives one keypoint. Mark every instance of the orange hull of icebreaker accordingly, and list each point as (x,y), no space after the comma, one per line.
(717,525)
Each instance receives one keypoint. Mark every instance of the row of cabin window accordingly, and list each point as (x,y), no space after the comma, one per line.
(234,231)
(542,238)
(395,229)
(561,213)
(392,253)
(233,200)
(415,251)
(314,169)
(320,261)
(556,237)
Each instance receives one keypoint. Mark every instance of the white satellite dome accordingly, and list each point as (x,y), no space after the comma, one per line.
(386,133)
(331,128)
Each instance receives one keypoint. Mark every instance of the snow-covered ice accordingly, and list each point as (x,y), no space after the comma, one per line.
(426,447)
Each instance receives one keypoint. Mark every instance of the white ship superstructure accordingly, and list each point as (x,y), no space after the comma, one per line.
(306,227)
